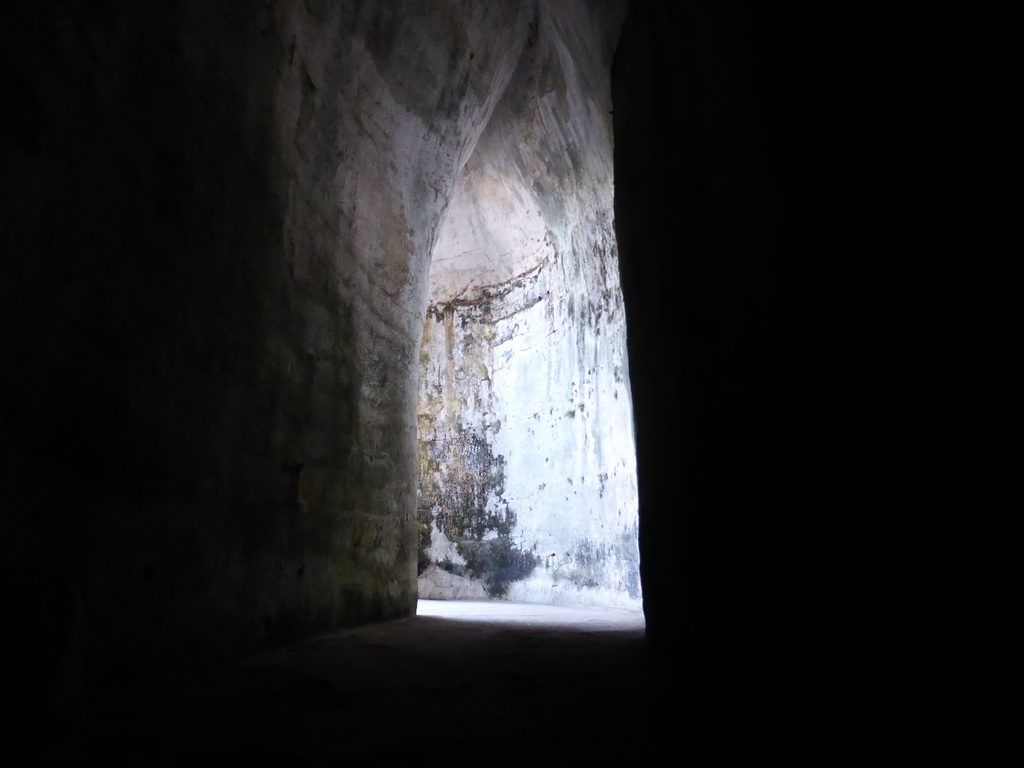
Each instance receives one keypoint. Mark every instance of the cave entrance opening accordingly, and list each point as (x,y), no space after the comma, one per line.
(527,470)
(527,464)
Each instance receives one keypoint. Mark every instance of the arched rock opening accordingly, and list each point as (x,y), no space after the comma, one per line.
(526,457)
(218,225)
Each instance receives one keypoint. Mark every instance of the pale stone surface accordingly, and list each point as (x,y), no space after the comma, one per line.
(513,614)
(376,112)
(525,417)
(438,584)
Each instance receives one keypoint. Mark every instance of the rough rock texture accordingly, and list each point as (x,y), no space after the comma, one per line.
(213,280)
(216,231)
(439,584)
(527,469)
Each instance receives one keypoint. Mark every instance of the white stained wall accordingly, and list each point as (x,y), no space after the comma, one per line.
(524,354)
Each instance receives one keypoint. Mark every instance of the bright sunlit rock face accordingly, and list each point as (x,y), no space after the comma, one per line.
(527,468)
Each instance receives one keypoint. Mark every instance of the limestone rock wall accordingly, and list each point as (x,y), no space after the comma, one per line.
(217,223)
(527,468)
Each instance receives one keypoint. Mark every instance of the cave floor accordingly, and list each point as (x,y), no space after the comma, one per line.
(460,683)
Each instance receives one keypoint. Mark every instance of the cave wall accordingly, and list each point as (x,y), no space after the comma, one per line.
(743,181)
(527,464)
(217,223)
(799,190)
(201,411)
(704,221)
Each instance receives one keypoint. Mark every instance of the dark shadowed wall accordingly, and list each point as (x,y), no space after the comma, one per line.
(216,226)
(797,192)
